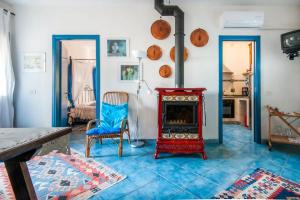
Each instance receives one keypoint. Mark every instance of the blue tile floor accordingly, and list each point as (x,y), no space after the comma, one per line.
(188,176)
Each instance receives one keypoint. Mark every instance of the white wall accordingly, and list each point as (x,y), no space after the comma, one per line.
(35,25)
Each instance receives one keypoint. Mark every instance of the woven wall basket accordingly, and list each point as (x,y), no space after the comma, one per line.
(160,29)
(154,52)
(165,71)
(185,55)
(199,37)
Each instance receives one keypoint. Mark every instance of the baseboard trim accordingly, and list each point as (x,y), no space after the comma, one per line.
(264,141)
(211,141)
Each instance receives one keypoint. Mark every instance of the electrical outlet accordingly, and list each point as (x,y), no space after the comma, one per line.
(33,91)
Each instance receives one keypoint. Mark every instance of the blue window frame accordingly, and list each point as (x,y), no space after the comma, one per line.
(56,57)
(256,83)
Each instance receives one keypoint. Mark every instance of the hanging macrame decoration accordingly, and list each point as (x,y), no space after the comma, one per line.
(160,29)
(185,54)
(199,37)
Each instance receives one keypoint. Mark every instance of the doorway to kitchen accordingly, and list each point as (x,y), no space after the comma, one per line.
(239,88)
(76,80)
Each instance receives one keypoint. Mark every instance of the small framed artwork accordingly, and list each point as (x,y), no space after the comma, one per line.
(129,72)
(117,47)
(34,62)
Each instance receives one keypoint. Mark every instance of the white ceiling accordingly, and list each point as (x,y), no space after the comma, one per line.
(206,2)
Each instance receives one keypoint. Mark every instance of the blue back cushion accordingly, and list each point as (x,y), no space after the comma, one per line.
(113,115)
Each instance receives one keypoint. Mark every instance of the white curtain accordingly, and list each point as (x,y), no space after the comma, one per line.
(82,76)
(7,78)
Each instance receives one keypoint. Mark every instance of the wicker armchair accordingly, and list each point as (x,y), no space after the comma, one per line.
(114,98)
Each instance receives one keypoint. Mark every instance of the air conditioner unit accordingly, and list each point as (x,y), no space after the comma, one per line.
(242,19)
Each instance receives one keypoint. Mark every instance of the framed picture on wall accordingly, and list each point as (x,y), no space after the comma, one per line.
(129,72)
(34,62)
(117,47)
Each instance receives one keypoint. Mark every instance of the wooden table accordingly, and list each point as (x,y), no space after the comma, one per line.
(18,145)
(291,123)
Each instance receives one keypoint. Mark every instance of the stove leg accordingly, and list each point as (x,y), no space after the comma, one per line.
(204,156)
(156,155)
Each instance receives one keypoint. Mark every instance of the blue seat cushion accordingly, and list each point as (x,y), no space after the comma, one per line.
(102,131)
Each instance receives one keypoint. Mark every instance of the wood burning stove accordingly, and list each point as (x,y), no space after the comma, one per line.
(180,121)
(180,116)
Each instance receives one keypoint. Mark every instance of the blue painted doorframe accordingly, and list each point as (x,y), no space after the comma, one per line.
(256,83)
(56,56)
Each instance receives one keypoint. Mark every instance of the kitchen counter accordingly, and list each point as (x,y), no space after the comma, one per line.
(235,96)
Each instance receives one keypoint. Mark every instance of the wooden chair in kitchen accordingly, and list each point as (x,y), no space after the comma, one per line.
(117,99)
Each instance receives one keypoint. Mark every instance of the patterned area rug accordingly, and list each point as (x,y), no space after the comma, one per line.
(261,184)
(59,176)
(6,191)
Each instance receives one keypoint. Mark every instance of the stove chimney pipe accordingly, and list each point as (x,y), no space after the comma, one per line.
(179,38)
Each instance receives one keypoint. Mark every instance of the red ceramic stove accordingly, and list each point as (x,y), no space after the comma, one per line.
(180,117)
